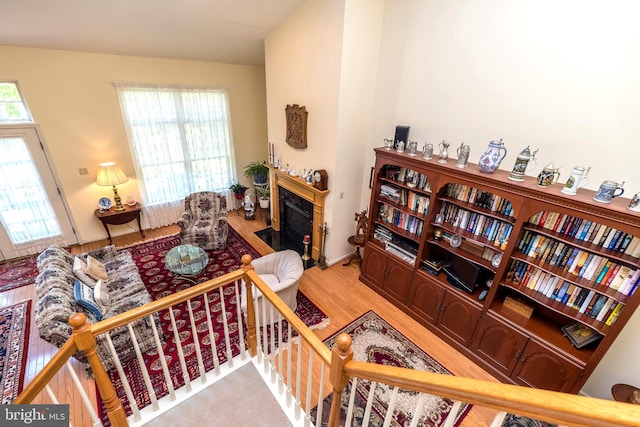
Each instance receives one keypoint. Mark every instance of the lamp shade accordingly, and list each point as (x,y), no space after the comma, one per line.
(109,174)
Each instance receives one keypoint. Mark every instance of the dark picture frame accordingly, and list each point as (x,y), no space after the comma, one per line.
(580,334)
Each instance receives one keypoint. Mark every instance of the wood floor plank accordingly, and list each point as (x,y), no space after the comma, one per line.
(335,290)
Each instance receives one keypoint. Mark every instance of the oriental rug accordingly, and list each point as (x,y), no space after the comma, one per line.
(149,258)
(17,273)
(14,336)
(376,341)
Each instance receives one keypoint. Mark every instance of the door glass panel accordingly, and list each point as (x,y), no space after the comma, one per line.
(25,210)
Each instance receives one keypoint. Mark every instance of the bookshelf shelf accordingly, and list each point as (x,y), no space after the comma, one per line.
(567,258)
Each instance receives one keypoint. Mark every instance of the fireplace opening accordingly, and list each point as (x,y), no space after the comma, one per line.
(296,222)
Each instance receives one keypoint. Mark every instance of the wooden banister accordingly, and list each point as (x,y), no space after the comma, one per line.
(341,354)
(86,343)
(252,342)
(550,406)
(47,373)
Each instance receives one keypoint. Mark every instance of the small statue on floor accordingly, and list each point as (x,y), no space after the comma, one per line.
(249,207)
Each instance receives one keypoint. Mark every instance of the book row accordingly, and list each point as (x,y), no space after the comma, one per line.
(580,263)
(416,202)
(588,302)
(400,219)
(480,198)
(409,177)
(489,228)
(588,231)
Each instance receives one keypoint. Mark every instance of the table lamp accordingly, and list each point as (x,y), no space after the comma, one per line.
(111,175)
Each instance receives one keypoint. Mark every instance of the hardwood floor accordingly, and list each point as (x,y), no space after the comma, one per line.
(336,290)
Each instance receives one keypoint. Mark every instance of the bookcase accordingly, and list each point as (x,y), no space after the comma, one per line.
(555,275)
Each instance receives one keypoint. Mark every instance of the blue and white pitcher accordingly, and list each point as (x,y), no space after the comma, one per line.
(490,159)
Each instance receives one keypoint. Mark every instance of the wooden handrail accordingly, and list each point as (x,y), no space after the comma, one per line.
(550,406)
(47,373)
(303,330)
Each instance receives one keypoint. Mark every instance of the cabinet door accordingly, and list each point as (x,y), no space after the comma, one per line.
(374,264)
(458,318)
(499,344)
(398,279)
(426,298)
(541,368)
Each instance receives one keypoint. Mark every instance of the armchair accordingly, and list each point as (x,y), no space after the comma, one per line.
(204,221)
(281,271)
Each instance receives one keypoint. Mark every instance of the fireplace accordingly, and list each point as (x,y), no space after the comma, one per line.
(296,217)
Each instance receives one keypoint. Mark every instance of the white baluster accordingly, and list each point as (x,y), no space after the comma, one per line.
(183,363)
(243,349)
(125,382)
(225,324)
(281,349)
(83,395)
(320,396)
(196,342)
(367,409)
(289,369)
(143,369)
(298,379)
(418,411)
(212,336)
(265,336)
(498,419)
(352,396)
(54,399)
(392,403)
(451,418)
(307,417)
(272,349)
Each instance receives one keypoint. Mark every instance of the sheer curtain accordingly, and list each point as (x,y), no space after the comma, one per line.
(25,211)
(180,140)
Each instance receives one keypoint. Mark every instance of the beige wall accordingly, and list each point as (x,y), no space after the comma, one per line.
(561,77)
(324,58)
(72,97)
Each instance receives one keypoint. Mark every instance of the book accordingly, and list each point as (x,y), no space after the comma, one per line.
(580,335)
(605,310)
(587,301)
(580,299)
(620,273)
(582,268)
(631,279)
(591,267)
(604,271)
(614,314)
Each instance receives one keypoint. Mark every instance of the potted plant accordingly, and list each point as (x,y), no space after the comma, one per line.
(263,195)
(238,190)
(258,171)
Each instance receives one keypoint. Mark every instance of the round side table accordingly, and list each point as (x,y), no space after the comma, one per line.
(357,242)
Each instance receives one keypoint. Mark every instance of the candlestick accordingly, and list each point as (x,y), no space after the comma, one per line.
(306,242)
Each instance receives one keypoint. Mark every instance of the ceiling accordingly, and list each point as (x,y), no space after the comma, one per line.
(227,31)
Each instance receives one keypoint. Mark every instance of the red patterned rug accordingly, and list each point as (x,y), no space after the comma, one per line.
(376,341)
(14,336)
(16,273)
(149,258)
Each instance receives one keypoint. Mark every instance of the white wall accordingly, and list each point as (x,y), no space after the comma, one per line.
(561,77)
(322,57)
(71,95)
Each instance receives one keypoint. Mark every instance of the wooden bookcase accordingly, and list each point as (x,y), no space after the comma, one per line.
(548,252)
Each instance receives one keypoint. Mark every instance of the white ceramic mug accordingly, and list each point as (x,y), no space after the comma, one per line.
(578,179)
(608,190)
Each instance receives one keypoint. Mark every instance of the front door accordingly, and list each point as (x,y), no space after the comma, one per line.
(32,212)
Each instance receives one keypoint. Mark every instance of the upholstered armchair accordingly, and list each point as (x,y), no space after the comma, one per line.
(281,271)
(204,221)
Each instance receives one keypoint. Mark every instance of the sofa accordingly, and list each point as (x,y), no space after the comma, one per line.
(56,301)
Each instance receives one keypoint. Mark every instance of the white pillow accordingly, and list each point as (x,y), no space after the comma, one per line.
(79,267)
(101,295)
(84,297)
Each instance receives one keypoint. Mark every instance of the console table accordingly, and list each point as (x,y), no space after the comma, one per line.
(113,217)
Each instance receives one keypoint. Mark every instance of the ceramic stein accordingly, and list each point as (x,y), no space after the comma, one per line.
(444,154)
(427,151)
(548,176)
(388,143)
(400,147)
(490,159)
(577,179)
(607,191)
(634,204)
(463,155)
(412,147)
(522,165)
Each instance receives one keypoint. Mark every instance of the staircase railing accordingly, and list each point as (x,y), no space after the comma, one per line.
(279,348)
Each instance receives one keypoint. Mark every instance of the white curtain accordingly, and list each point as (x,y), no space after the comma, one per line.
(180,140)
(25,211)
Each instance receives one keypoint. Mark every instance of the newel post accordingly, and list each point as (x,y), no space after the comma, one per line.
(86,342)
(341,354)
(252,341)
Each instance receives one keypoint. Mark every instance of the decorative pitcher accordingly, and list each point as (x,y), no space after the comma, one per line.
(463,155)
(548,176)
(577,179)
(444,154)
(427,151)
(490,159)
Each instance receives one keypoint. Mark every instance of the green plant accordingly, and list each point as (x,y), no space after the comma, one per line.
(263,191)
(258,171)
(238,188)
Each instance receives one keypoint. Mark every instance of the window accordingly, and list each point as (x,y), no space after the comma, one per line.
(12,108)
(180,139)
